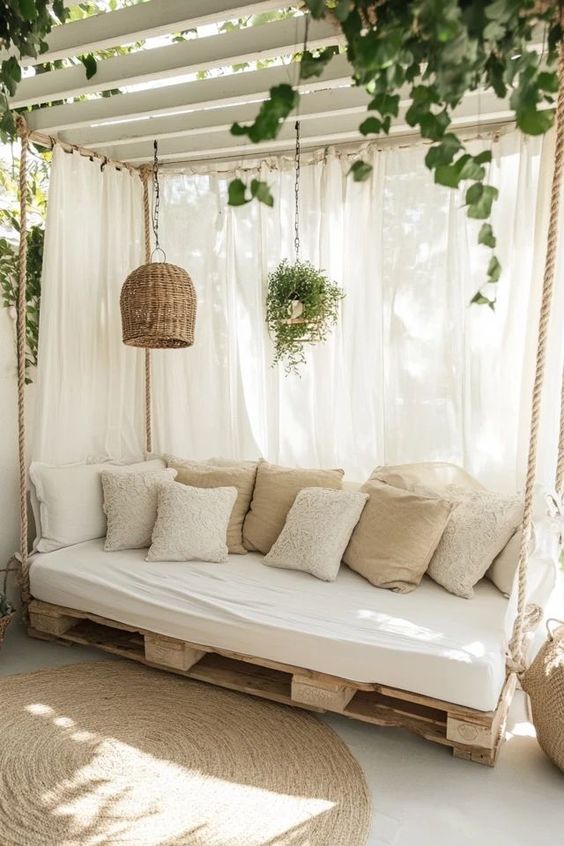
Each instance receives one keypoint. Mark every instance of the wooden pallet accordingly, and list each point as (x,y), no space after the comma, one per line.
(472,735)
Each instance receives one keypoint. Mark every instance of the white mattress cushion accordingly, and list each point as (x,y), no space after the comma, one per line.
(67,500)
(428,641)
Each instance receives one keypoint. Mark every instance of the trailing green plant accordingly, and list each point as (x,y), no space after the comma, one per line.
(9,245)
(430,54)
(5,606)
(24,25)
(319,300)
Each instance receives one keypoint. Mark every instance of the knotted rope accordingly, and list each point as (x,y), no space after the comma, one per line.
(145,174)
(516,660)
(21,305)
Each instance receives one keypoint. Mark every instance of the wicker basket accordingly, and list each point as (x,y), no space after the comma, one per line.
(158,307)
(4,623)
(544,682)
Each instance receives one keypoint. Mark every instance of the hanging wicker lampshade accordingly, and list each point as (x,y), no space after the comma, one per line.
(158,307)
(158,299)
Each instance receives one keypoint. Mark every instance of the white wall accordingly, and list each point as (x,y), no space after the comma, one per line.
(9,496)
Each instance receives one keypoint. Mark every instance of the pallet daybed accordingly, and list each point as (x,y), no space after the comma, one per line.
(409,657)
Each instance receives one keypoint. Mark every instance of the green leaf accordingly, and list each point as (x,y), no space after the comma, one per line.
(482,209)
(90,64)
(474,193)
(486,236)
(494,269)
(342,9)
(360,171)
(444,152)
(386,104)
(311,65)
(261,191)
(481,299)
(483,158)
(371,125)
(283,98)
(316,7)
(533,121)
(28,9)
(237,193)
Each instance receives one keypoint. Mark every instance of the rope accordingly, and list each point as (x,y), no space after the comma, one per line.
(560,462)
(21,345)
(516,660)
(145,174)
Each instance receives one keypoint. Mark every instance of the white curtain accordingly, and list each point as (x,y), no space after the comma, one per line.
(412,372)
(89,384)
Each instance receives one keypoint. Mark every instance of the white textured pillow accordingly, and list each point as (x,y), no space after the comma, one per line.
(479,528)
(130,503)
(317,530)
(192,523)
(67,501)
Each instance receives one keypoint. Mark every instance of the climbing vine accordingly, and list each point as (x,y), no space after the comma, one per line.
(426,55)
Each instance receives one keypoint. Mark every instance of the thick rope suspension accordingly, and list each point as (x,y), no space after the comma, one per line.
(21,345)
(559,482)
(145,174)
(517,657)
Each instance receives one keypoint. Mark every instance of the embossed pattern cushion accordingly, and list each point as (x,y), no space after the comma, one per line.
(130,504)
(275,491)
(317,531)
(437,476)
(481,525)
(396,536)
(192,523)
(240,476)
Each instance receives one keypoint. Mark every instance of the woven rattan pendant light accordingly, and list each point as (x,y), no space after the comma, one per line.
(158,299)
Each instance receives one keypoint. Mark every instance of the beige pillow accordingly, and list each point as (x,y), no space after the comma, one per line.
(396,536)
(502,570)
(317,531)
(440,477)
(239,476)
(275,491)
(191,523)
(130,504)
(481,525)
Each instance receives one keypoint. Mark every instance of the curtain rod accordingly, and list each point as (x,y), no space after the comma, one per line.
(49,141)
(252,160)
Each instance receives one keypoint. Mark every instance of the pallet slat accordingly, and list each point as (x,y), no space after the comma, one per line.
(472,735)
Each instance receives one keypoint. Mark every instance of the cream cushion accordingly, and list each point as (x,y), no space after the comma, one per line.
(437,476)
(130,503)
(240,476)
(191,523)
(396,536)
(480,527)
(67,500)
(504,566)
(316,533)
(275,491)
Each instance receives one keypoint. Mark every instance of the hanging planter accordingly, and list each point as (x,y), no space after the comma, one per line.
(302,305)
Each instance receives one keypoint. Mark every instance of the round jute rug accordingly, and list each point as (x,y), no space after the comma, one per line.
(113,753)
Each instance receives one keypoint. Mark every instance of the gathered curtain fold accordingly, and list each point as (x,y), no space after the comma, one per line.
(412,372)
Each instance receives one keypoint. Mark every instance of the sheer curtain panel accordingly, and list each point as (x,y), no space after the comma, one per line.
(412,372)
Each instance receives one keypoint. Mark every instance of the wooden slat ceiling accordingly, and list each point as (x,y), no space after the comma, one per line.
(191,118)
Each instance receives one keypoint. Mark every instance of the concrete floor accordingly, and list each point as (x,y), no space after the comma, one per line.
(421,795)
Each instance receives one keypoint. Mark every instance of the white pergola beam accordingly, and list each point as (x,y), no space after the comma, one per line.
(328,102)
(218,91)
(137,23)
(245,45)
(317,129)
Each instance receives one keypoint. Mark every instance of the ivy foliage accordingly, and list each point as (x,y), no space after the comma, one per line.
(319,300)
(24,25)
(430,54)
(9,246)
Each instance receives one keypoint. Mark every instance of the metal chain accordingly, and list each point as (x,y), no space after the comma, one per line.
(297,193)
(297,161)
(156,198)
